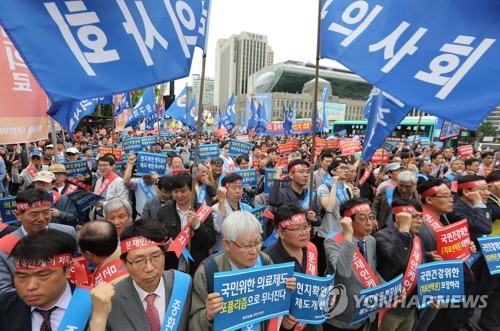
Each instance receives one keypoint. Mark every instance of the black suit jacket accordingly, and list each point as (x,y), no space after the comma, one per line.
(202,241)
(14,313)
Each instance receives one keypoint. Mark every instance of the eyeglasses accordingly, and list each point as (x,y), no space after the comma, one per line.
(417,216)
(370,218)
(447,196)
(303,171)
(141,263)
(405,186)
(70,154)
(299,230)
(248,248)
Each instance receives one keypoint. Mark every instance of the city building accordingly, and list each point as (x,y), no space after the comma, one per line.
(238,57)
(208,90)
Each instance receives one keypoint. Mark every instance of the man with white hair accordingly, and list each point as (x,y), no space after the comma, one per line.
(242,241)
(119,212)
(405,188)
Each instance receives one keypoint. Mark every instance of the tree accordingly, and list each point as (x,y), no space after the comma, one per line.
(487,130)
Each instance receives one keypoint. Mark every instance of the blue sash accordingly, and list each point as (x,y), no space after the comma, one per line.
(245,206)
(423,176)
(389,193)
(451,177)
(327,179)
(341,195)
(78,311)
(180,291)
(271,239)
(146,189)
(305,203)
(202,194)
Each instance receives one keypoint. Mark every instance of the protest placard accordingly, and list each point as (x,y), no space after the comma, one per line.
(453,241)
(442,281)
(147,163)
(7,207)
(372,300)
(490,247)
(311,298)
(237,147)
(252,295)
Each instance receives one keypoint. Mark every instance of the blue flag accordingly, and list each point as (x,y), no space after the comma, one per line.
(243,120)
(177,109)
(296,101)
(261,121)
(202,39)
(122,102)
(253,117)
(191,116)
(385,114)
(228,120)
(96,47)
(410,50)
(150,121)
(145,107)
(70,114)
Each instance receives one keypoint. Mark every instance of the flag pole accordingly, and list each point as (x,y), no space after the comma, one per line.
(194,173)
(315,109)
(54,139)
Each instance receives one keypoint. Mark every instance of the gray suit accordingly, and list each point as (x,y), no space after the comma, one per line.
(128,311)
(8,265)
(340,260)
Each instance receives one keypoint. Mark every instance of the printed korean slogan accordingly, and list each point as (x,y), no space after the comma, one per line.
(24,103)
(311,299)
(252,295)
(148,163)
(440,57)
(7,207)
(490,247)
(83,199)
(374,299)
(97,46)
(442,280)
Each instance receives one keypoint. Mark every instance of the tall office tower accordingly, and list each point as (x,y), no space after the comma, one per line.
(237,58)
(208,90)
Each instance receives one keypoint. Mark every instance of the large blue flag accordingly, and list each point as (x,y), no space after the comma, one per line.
(229,118)
(202,39)
(145,107)
(440,57)
(96,47)
(261,122)
(217,121)
(177,109)
(70,114)
(122,102)
(385,115)
(288,123)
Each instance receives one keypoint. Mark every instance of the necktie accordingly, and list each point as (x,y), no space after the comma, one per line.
(152,312)
(361,246)
(46,326)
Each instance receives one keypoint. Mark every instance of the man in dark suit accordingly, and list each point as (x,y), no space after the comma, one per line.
(42,296)
(176,214)
(150,210)
(140,301)
(34,212)
(346,256)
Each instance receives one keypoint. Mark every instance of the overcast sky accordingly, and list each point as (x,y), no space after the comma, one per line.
(290,26)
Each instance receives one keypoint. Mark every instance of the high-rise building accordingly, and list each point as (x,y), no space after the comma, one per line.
(238,57)
(208,90)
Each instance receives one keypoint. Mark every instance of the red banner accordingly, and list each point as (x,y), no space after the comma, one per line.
(380,156)
(464,152)
(117,152)
(333,144)
(24,103)
(221,133)
(275,127)
(243,138)
(286,148)
(281,161)
(349,147)
(453,241)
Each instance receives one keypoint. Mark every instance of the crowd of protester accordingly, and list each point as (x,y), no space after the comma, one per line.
(380,210)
